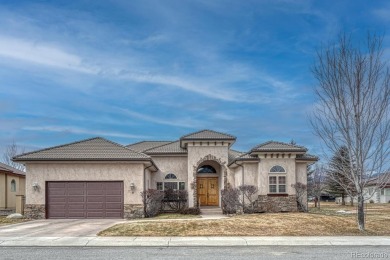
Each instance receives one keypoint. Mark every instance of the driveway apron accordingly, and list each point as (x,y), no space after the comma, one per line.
(58,228)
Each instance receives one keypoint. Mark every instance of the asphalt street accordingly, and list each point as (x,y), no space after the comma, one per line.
(202,253)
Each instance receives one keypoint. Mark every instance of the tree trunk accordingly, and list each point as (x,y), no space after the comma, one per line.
(361,213)
(342,199)
(351,201)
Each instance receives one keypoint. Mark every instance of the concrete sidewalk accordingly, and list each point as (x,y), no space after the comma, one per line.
(192,241)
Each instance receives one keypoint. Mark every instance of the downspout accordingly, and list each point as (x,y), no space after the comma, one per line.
(145,175)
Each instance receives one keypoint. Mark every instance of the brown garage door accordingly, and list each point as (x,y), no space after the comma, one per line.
(84,199)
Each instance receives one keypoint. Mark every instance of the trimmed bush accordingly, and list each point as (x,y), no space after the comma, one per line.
(190,211)
(152,200)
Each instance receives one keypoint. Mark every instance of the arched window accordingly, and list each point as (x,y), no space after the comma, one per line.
(170,176)
(277,168)
(13,185)
(206,169)
(277,180)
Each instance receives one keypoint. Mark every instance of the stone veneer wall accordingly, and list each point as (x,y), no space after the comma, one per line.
(34,211)
(266,203)
(132,211)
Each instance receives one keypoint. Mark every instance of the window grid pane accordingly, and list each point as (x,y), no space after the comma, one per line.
(282,188)
(272,180)
(159,186)
(282,180)
(272,188)
(170,185)
(182,186)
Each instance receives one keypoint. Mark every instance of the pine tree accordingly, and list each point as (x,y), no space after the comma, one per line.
(336,181)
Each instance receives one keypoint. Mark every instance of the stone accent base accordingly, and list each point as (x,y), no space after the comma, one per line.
(34,211)
(266,203)
(132,211)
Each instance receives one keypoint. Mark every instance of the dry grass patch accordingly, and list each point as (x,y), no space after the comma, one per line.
(318,223)
(9,221)
(175,216)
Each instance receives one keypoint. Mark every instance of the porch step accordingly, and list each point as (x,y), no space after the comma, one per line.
(211,212)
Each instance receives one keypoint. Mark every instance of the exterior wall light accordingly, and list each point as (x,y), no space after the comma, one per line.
(132,187)
(36,186)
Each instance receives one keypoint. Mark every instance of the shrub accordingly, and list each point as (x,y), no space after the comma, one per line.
(248,192)
(371,201)
(152,200)
(190,211)
(175,200)
(230,200)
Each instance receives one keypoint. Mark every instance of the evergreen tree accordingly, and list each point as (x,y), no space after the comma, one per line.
(337,182)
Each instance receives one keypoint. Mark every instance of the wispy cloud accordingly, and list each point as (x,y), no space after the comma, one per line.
(78,130)
(35,52)
(180,122)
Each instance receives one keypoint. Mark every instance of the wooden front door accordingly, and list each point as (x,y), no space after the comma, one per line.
(208,192)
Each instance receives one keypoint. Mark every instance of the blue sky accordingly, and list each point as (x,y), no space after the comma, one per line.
(140,70)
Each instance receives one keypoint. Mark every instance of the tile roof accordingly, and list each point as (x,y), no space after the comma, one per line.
(307,157)
(90,149)
(234,156)
(170,148)
(146,145)
(8,168)
(208,135)
(273,146)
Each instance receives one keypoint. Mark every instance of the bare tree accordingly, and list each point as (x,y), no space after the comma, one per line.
(353,109)
(248,193)
(301,196)
(11,151)
(316,184)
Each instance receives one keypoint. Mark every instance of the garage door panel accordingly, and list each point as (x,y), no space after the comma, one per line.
(113,199)
(76,199)
(57,200)
(114,192)
(85,199)
(112,206)
(74,192)
(76,185)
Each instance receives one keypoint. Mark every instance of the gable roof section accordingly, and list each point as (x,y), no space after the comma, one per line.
(86,150)
(170,148)
(273,146)
(7,168)
(207,135)
(146,145)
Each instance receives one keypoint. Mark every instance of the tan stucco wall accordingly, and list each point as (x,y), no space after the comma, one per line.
(11,195)
(266,164)
(121,171)
(169,164)
(301,173)
(196,152)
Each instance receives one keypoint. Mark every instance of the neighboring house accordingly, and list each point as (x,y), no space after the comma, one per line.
(12,183)
(381,195)
(97,178)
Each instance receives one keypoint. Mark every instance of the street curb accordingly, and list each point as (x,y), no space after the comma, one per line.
(191,241)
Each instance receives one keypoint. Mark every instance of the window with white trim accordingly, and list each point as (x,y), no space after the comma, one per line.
(171,183)
(277,179)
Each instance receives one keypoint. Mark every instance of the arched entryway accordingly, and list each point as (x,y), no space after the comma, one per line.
(209,179)
(207,185)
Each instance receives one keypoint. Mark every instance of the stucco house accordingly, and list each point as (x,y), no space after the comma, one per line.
(97,178)
(12,183)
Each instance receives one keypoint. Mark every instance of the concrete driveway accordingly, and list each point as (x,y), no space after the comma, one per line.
(58,228)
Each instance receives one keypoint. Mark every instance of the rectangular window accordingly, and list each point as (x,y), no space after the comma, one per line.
(382,191)
(170,185)
(277,184)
